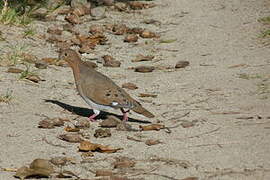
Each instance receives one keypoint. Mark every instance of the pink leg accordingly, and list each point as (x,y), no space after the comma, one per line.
(125,115)
(91,118)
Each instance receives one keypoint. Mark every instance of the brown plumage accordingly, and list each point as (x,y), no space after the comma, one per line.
(99,91)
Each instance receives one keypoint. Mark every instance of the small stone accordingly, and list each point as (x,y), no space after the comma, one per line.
(140,58)
(102,133)
(151,142)
(39,13)
(93,29)
(123,126)
(119,29)
(82,123)
(41,65)
(98,12)
(120,6)
(110,122)
(108,2)
(187,124)
(144,69)
(78,3)
(54,30)
(130,86)
(110,62)
(182,64)
(73,19)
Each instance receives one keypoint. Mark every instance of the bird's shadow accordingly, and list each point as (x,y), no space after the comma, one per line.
(85,112)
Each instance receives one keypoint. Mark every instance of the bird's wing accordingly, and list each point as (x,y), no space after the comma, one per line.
(102,90)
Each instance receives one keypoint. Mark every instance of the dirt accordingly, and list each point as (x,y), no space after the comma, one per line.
(222,93)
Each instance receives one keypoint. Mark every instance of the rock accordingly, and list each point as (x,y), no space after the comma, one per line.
(53,4)
(39,13)
(54,30)
(102,133)
(131,38)
(182,64)
(108,2)
(140,58)
(130,86)
(98,12)
(73,19)
(82,123)
(120,6)
(144,69)
(94,29)
(119,29)
(78,3)
(41,65)
(91,64)
(110,122)
(110,62)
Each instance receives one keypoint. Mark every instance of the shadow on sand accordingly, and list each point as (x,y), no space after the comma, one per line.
(85,112)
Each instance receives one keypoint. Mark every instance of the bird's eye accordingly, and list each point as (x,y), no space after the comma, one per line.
(65,54)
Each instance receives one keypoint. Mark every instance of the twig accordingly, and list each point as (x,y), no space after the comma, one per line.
(50,143)
(215,144)
(208,132)
(134,139)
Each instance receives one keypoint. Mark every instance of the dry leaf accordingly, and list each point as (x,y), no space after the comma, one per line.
(147,95)
(130,86)
(151,127)
(73,138)
(102,172)
(110,122)
(49,123)
(123,162)
(34,78)
(151,142)
(140,58)
(131,38)
(71,129)
(191,178)
(137,5)
(148,34)
(88,146)
(181,64)
(14,70)
(39,167)
(144,69)
(50,61)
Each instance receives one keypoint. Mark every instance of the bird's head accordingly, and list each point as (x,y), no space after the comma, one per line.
(70,56)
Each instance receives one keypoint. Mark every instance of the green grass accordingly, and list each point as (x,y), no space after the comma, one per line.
(7,97)
(12,17)
(26,73)
(266,22)
(29,32)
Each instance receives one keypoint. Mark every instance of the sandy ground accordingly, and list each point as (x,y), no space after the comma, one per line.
(223,143)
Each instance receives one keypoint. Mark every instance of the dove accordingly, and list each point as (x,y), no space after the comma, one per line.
(98,90)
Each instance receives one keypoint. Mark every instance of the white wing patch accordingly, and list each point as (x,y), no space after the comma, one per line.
(114,103)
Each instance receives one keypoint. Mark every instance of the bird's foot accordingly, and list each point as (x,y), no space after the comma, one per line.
(125,115)
(92,118)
